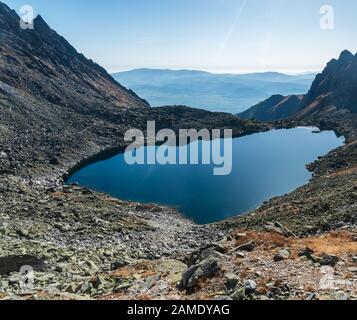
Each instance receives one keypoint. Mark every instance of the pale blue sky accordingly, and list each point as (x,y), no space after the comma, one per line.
(214,35)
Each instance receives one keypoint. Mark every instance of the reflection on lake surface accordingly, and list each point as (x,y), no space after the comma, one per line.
(264,165)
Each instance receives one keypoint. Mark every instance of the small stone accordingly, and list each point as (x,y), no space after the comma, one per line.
(278,228)
(311,297)
(122,287)
(4,285)
(91,266)
(341,296)
(328,260)
(62,267)
(240,255)
(99,282)
(71,288)
(3,230)
(23,232)
(232,281)
(85,288)
(250,286)
(173,269)
(249,246)
(354,259)
(239,294)
(206,269)
(307,252)
(3,155)
(340,225)
(118,264)
(151,281)
(282,255)
(45,278)
(14,279)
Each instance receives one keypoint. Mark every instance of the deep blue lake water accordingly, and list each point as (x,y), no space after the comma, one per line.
(265,165)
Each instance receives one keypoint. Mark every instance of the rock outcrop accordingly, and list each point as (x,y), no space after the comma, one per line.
(334,90)
(274,108)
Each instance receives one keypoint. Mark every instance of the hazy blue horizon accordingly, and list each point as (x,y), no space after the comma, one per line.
(218,72)
(227,92)
(219,36)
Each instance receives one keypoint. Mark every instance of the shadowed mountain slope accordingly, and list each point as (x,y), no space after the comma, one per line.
(44,64)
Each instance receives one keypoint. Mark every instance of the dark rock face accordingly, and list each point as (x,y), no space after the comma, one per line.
(249,246)
(333,90)
(52,99)
(204,270)
(43,63)
(328,260)
(118,264)
(10,264)
(274,108)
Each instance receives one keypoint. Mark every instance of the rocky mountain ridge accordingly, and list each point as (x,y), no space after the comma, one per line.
(276,107)
(333,90)
(54,68)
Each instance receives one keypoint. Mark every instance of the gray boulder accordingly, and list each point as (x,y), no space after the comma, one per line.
(282,255)
(249,246)
(250,286)
(328,260)
(231,283)
(204,270)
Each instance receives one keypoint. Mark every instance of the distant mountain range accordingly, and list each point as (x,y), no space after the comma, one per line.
(215,92)
(332,90)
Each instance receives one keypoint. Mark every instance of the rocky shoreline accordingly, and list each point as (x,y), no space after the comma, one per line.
(43,218)
(81,235)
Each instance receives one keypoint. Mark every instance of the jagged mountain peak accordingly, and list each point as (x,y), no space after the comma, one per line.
(333,90)
(346,55)
(335,87)
(7,15)
(345,58)
(5,9)
(54,68)
(40,23)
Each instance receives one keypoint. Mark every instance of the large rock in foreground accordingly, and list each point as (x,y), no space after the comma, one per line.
(10,264)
